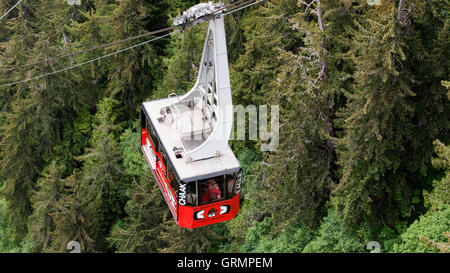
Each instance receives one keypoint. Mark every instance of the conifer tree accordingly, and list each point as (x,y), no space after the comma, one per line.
(361,92)
(184,53)
(21,27)
(179,240)
(306,151)
(73,220)
(373,153)
(283,65)
(31,126)
(131,76)
(103,182)
(89,28)
(45,202)
(430,232)
(146,210)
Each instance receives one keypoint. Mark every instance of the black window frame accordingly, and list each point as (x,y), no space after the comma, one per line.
(173,183)
(147,125)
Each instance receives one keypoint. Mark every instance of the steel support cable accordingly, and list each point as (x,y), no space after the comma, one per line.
(231,5)
(13,7)
(116,42)
(243,6)
(93,48)
(90,61)
(121,50)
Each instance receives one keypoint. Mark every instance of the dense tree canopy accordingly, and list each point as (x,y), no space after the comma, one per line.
(363,155)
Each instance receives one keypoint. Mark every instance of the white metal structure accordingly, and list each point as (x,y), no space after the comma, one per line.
(196,12)
(192,170)
(185,138)
(201,120)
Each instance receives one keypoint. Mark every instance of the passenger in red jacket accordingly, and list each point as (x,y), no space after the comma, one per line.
(212,192)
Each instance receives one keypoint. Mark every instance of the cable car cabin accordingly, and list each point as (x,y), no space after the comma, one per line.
(198,193)
(185,139)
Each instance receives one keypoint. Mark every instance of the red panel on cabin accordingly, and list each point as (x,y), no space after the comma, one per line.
(192,217)
(189,217)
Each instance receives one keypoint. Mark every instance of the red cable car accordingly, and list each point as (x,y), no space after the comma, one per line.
(184,185)
(185,141)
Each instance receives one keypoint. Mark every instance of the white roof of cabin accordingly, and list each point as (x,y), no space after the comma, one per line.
(195,170)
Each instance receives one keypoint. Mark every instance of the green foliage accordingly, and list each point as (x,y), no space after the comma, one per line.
(74,220)
(6,244)
(441,188)
(134,163)
(103,181)
(146,210)
(184,53)
(254,241)
(429,227)
(362,92)
(252,208)
(427,234)
(334,237)
(35,113)
(291,240)
(223,232)
(45,202)
(384,119)
(133,74)
(281,65)
(75,139)
(181,240)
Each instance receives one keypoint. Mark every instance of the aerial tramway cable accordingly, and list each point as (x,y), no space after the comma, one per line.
(109,44)
(13,7)
(90,61)
(243,6)
(235,8)
(93,48)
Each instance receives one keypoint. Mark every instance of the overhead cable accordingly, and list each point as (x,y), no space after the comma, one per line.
(10,9)
(239,7)
(90,61)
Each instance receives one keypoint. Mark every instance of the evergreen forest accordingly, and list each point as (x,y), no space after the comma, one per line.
(364,126)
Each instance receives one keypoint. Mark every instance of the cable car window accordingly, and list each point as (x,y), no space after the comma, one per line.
(152,135)
(164,158)
(211,189)
(143,120)
(231,185)
(172,179)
